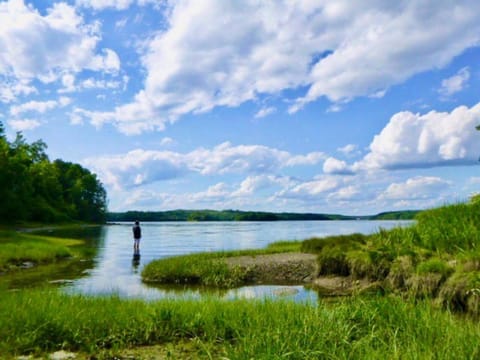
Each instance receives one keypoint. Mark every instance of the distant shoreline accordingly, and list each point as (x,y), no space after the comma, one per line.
(237,215)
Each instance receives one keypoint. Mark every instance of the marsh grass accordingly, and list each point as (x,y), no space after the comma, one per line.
(17,248)
(208,269)
(38,322)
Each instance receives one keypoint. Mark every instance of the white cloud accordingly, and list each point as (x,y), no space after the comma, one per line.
(247,158)
(310,190)
(420,187)
(252,184)
(348,149)
(115,4)
(68,82)
(44,47)
(142,166)
(91,83)
(11,89)
(339,50)
(433,139)
(167,141)
(455,83)
(350,192)
(24,124)
(39,106)
(335,166)
(385,43)
(265,112)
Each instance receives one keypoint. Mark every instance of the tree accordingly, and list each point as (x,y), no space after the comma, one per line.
(34,189)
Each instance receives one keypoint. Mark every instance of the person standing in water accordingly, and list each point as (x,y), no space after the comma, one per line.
(137,235)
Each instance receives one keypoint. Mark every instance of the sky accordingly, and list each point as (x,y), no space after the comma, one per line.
(350,107)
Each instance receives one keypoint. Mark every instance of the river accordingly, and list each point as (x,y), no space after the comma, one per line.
(114,270)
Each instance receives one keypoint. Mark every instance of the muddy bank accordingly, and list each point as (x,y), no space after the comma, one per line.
(298,269)
(284,268)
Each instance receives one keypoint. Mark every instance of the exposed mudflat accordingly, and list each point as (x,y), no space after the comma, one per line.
(283,268)
(298,268)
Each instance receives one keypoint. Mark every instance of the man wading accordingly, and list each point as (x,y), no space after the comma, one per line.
(137,235)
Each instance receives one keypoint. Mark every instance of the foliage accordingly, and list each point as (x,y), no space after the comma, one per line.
(34,189)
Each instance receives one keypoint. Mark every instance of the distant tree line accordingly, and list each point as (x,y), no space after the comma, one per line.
(32,188)
(237,215)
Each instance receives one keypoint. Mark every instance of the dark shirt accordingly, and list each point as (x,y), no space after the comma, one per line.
(137,232)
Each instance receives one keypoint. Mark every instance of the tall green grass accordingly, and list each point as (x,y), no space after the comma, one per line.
(39,322)
(16,248)
(437,256)
(451,228)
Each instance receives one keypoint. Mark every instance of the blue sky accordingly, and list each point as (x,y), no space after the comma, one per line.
(306,106)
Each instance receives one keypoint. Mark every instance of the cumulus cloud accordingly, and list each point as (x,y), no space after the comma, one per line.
(33,46)
(433,139)
(140,167)
(338,50)
(23,124)
(252,184)
(335,166)
(455,83)
(420,187)
(310,190)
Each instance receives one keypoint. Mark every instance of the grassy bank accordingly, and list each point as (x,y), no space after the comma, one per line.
(19,248)
(40,322)
(208,269)
(438,257)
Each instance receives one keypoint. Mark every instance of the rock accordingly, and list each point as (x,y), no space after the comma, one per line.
(62,355)
(285,291)
(27,265)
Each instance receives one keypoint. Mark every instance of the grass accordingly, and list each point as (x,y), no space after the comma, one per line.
(18,248)
(38,322)
(438,257)
(208,269)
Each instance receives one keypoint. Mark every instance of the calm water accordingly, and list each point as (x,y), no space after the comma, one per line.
(115,270)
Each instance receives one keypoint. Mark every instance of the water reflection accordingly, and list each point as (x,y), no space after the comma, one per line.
(136,260)
(116,270)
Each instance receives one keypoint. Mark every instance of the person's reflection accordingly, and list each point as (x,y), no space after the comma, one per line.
(136,260)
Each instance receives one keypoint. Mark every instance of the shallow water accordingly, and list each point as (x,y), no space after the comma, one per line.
(115,268)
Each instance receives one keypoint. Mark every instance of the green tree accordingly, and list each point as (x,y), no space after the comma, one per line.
(34,189)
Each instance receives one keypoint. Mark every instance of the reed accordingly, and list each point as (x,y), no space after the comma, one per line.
(38,322)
